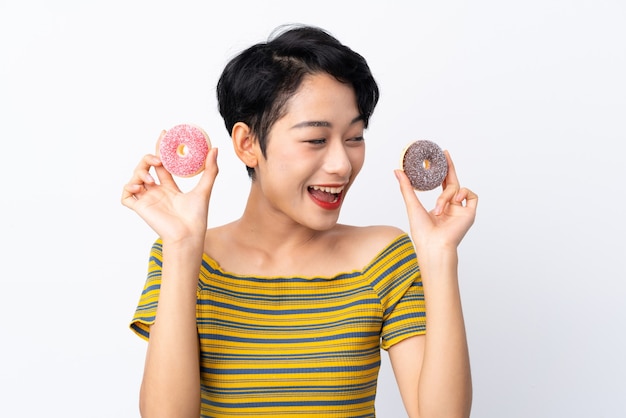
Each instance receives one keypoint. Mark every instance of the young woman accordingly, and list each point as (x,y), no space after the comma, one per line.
(283,312)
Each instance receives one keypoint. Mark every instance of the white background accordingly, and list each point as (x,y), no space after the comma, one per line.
(528,96)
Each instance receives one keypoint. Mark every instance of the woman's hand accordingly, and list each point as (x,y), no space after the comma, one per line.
(173,215)
(453,215)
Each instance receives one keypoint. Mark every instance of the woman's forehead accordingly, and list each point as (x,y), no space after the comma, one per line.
(323,98)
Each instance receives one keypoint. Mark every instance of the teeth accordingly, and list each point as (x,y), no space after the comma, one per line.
(333,190)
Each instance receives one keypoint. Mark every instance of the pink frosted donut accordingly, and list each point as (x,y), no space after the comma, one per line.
(183,150)
(425,164)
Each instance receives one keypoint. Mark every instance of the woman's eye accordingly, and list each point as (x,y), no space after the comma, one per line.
(356,139)
(316,141)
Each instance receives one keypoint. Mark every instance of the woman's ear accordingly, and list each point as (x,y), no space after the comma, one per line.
(244,143)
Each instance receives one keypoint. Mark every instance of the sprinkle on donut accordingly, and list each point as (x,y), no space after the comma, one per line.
(425,165)
(183,150)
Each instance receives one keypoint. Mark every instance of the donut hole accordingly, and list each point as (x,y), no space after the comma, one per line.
(426,164)
(182,150)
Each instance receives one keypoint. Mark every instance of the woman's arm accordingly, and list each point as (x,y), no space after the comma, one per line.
(171,380)
(433,371)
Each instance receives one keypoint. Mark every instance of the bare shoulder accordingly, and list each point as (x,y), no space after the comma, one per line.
(371,241)
(217,239)
(381,234)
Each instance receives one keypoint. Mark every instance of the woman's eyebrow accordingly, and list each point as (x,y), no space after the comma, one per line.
(312,123)
(322,123)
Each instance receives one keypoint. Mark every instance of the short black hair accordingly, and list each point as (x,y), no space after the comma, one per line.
(257,83)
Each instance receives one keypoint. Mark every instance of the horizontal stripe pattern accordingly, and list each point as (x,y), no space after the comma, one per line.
(297,346)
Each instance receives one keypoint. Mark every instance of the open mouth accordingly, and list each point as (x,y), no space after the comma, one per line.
(327,197)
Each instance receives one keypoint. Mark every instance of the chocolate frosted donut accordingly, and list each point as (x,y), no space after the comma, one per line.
(425,164)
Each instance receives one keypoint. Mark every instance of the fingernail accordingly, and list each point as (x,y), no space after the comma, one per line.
(149,178)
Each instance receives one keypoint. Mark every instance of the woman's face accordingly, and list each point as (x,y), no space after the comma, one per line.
(314,152)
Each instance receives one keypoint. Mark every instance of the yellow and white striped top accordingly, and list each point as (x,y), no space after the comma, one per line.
(297,346)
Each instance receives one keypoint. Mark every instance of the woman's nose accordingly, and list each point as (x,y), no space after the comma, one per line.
(337,161)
